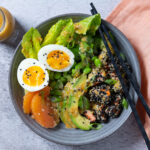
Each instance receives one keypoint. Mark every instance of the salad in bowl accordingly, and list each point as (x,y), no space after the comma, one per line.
(68,77)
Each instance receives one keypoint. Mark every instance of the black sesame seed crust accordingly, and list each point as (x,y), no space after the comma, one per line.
(99,94)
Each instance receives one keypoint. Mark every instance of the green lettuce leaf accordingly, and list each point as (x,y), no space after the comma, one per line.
(89,24)
(66,36)
(37,39)
(27,46)
(31,43)
(54,32)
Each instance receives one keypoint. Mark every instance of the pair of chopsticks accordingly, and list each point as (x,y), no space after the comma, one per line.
(104,33)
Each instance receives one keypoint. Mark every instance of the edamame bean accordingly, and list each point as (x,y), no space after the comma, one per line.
(59,84)
(68,77)
(73,71)
(57,75)
(94,57)
(83,56)
(63,79)
(51,75)
(78,66)
(52,84)
(97,62)
(87,70)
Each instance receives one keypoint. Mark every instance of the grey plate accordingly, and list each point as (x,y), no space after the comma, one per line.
(60,134)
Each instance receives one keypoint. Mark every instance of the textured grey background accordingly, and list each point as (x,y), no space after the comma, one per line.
(14,134)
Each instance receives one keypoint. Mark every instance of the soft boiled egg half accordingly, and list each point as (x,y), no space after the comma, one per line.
(56,57)
(32,75)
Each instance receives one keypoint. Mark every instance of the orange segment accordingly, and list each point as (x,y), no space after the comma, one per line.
(27,102)
(43,112)
(28,98)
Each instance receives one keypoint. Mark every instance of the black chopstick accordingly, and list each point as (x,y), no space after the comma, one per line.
(125,89)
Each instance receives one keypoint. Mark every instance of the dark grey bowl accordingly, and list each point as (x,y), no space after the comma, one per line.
(60,134)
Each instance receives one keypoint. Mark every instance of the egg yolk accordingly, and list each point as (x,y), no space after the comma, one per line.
(34,76)
(58,59)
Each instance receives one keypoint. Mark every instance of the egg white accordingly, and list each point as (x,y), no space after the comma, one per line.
(44,51)
(25,64)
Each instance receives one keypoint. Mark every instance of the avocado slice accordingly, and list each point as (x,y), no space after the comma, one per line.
(80,83)
(77,119)
(63,107)
(79,88)
(64,115)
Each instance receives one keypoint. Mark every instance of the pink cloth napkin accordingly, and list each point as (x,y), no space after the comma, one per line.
(132,17)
